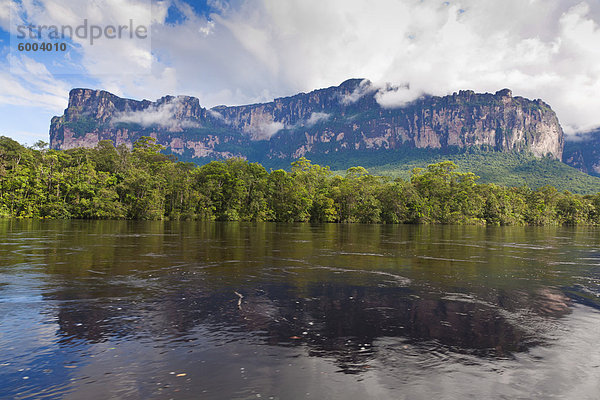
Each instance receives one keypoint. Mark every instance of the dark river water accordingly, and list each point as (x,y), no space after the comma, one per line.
(143,310)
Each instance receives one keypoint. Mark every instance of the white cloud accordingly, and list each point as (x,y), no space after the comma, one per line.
(254,50)
(124,56)
(5,10)
(216,114)
(398,96)
(32,86)
(365,87)
(264,129)
(262,49)
(163,115)
(316,117)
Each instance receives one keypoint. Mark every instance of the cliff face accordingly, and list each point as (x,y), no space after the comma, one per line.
(178,123)
(583,153)
(337,119)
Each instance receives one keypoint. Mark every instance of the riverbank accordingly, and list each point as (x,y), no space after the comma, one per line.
(143,184)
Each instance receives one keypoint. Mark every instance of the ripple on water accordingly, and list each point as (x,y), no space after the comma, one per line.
(125,320)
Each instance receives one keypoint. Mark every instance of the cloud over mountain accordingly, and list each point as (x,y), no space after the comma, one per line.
(245,51)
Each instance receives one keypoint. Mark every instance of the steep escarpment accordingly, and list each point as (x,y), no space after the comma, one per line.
(341,119)
(179,123)
(583,152)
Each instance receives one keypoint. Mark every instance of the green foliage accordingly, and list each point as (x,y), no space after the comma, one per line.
(82,125)
(142,183)
(505,169)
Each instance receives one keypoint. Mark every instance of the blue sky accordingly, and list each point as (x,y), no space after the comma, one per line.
(242,51)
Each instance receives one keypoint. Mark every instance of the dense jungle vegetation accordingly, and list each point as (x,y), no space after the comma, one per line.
(502,168)
(142,183)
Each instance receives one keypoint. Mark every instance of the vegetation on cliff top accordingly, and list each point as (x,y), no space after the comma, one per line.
(108,183)
(504,169)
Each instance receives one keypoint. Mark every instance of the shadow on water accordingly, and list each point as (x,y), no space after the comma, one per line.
(332,291)
(331,287)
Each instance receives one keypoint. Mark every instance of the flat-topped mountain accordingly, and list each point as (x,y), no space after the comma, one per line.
(342,119)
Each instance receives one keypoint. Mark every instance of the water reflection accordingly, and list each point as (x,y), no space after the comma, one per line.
(358,297)
(334,321)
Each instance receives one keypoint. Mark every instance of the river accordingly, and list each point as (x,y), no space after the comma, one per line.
(142,310)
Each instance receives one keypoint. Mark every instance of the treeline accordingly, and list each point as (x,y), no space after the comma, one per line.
(117,183)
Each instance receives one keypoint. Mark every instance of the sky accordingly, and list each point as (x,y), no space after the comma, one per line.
(246,51)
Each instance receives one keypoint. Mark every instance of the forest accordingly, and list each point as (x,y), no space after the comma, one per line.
(108,182)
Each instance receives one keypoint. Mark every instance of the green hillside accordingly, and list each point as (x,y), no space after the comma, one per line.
(506,169)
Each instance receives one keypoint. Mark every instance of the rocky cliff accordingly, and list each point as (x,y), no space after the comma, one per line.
(583,152)
(345,118)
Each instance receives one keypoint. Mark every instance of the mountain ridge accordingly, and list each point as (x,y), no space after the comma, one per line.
(339,119)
